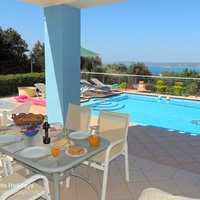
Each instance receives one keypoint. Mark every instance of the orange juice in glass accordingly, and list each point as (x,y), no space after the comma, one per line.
(55,151)
(94,136)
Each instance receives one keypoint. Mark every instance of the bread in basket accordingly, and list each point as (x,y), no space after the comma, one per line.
(23,119)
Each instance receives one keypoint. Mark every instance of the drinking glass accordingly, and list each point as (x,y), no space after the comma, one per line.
(55,151)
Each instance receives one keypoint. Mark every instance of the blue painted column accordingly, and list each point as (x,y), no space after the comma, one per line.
(62,60)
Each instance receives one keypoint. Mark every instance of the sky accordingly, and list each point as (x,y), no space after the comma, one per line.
(136,30)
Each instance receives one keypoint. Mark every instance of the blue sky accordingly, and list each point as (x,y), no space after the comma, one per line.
(137,30)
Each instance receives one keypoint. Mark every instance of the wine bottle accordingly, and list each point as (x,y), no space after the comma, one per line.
(46,126)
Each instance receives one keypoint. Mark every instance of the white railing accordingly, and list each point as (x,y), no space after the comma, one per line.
(191,85)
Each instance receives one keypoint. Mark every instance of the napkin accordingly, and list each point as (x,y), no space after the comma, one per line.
(62,143)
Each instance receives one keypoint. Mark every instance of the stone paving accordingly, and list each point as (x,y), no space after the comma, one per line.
(158,158)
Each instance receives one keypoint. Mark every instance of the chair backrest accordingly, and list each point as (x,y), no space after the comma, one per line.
(78,117)
(113,126)
(97,82)
(86,83)
(6,114)
(41,87)
(22,108)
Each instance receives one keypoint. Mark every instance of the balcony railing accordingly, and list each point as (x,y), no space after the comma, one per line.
(179,86)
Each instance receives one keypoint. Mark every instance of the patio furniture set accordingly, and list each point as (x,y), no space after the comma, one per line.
(16,145)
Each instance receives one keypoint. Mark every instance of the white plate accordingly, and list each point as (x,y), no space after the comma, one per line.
(4,139)
(35,152)
(75,155)
(79,135)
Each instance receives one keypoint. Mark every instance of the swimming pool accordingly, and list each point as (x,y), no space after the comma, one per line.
(173,114)
(3,102)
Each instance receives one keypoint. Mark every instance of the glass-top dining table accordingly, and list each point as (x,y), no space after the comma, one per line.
(56,169)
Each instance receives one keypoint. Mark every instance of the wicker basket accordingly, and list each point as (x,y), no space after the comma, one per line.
(23,119)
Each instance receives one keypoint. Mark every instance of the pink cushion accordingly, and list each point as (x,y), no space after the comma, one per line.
(35,101)
(21,97)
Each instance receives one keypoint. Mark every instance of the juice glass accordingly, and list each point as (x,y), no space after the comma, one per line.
(55,151)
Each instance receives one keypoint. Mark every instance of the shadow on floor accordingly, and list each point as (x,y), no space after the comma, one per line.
(170,148)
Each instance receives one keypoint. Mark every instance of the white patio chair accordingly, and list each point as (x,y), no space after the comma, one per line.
(113,127)
(15,186)
(42,89)
(156,194)
(5,114)
(78,117)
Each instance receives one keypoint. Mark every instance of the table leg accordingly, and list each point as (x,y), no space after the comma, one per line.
(56,185)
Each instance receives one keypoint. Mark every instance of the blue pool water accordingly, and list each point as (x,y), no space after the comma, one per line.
(2,102)
(173,114)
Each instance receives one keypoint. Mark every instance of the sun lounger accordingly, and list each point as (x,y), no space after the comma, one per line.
(95,88)
(99,83)
(102,85)
(87,84)
(42,89)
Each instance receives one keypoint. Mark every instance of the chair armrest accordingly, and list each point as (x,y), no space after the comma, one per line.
(24,184)
(7,167)
(113,144)
(6,109)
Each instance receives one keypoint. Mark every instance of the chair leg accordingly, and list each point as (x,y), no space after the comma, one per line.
(27,172)
(126,162)
(104,184)
(67,182)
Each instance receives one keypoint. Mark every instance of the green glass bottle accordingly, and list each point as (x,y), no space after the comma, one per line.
(46,126)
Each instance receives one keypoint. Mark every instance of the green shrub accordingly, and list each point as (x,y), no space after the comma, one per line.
(122,85)
(160,82)
(160,87)
(178,88)
(192,88)
(181,84)
(9,83)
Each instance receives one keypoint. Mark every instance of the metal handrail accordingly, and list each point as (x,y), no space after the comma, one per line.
(142,76)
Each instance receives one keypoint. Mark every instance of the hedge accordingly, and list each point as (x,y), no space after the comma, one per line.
(9,83)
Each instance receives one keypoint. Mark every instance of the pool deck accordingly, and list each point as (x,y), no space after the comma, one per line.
(162,95)
(158,158)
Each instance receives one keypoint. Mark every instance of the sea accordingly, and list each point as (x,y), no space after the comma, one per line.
(158,68)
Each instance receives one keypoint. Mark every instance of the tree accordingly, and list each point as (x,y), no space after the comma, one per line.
(16,46)
(91,63)
(116,68)
(37,57)
(13,49)
(138,69)
(170,74)
(190,73)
